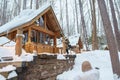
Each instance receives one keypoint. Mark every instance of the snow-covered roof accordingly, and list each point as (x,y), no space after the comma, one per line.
(6,42)
(74,39)
(24,17)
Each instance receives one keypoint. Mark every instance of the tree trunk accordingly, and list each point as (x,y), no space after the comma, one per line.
(24,4)
(78,29)
(31,4)
(67,18)
(4,9)
(37,4)
(110,37)
(115,24)
(61,15)
(83,25)
(94,28)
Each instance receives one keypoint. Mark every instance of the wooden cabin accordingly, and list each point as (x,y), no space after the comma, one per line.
(40,31)
(79,45)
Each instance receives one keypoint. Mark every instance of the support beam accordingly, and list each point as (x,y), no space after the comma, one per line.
(18,47)
(29,34)
(45,25)
(43,30)
(55,44)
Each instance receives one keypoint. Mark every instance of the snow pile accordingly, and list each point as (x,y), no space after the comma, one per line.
(12,74)
(27,57)
(116,77)
(6,41)
(98,58)
(8,68)
(2,77)
(59,42)
(8,50)
(89,75)
(61,57)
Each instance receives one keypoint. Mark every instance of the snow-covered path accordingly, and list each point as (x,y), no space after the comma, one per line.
(98,58)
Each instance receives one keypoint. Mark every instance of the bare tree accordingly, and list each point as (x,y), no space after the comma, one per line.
(31,1)
(24,4)
(110,37)
(118,11)
(76,11)
(4,10)
(94,28)
(67,18)
(83,25)
(37,4)
(115,24)
(61,14)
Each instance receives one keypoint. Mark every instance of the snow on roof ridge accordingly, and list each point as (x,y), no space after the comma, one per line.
(17,21)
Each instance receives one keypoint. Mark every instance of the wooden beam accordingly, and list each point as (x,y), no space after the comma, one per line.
(18,46)
(55,44)
(29,34)
(43,30)
(45,22)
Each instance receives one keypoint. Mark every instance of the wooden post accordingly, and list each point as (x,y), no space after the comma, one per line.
(18,47)
(55,43)
(64,45)
(29,34)
(45,25)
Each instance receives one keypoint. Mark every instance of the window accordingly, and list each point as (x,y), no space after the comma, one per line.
(25,39)
(41,22)
(41,37)
(34,36)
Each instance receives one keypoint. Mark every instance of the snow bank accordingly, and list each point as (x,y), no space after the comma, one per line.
(10,52)
(89,75)
(60,57)
(2,77)
(12,74)
(98,58)
(8,68)
(4,40)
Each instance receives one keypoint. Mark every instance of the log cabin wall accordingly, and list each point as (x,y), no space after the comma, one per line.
(12,36)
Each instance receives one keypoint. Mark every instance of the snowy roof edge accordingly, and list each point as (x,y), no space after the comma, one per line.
(12,24)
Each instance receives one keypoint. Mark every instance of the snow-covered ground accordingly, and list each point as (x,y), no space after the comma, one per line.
(8,50)
(98,58)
